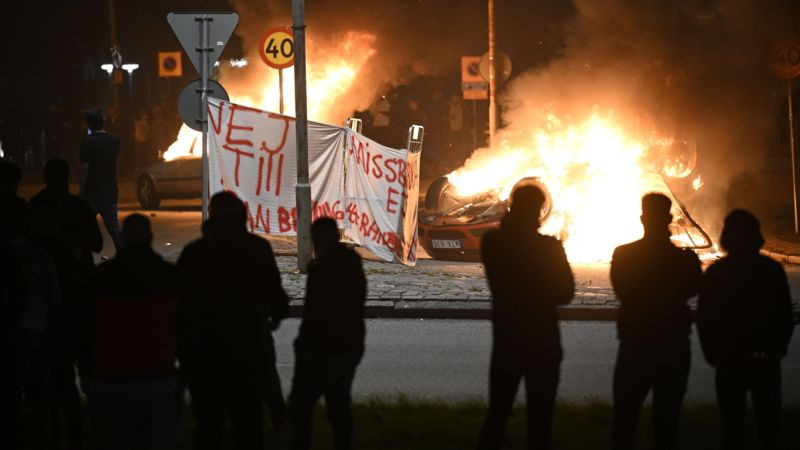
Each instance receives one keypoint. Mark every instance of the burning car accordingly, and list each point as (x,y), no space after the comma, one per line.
(451,227)
(593,173)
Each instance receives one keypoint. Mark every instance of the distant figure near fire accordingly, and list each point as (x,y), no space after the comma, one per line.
(653,280)
(100,151)
(529,276)
(744,317)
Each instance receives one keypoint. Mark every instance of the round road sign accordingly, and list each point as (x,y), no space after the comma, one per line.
(784,57)
(189,102)
(502,67)
(277,48)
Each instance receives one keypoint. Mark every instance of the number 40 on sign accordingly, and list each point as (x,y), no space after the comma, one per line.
(277,48)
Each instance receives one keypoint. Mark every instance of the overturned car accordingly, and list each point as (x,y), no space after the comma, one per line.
(451,226)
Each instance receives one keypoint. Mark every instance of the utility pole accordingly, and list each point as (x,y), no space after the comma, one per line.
(112,28)
(205,46)
(492,83)
(303,187)
(791,149)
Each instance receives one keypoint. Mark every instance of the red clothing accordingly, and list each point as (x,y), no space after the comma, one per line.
(131,324)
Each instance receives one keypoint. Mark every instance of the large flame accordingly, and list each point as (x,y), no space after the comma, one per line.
(333,70)
(594,170)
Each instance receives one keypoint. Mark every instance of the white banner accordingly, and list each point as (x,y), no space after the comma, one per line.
(371,190)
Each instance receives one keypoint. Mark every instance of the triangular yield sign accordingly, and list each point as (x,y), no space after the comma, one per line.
(187,27)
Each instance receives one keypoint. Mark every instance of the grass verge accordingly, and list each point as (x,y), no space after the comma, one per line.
(401,423)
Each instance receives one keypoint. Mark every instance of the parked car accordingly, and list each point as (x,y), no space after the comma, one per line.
(179,178)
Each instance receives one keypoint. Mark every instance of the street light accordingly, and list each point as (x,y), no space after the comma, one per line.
(238,63)
(108,68)
(130,68)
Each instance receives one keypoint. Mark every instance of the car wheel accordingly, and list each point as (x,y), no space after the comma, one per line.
(437,195)
(146,191)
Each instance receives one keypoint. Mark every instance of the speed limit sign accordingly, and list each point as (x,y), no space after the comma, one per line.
(784,57)
(277,48)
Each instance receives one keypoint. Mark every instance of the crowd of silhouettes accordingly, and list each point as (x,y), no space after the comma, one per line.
(143,332)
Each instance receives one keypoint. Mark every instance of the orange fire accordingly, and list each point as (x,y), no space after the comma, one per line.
(595,172)
(333,70)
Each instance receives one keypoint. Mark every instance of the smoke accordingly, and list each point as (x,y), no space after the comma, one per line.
(400,37)
(694,71)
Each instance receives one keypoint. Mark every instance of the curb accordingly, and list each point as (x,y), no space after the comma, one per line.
(782,257)
(482,311)
(578,313)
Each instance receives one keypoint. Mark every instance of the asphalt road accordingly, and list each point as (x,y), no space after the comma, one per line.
(448,359)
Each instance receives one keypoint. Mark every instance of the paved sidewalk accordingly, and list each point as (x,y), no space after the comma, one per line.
(403,292)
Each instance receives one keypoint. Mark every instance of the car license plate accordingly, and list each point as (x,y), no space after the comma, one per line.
(445,243)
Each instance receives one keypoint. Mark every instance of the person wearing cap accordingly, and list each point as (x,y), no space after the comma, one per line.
(745,322)
(653,280)
(99,152)
(529,276)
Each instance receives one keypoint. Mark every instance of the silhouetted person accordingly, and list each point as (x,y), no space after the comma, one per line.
(529,276)
(744,318)
(12,304)
(129,345)
(77,217)
(330,343)
(653,280)
(40,277)
(100,151)
(44,231)
(235,299)
(12,206)
(71,246)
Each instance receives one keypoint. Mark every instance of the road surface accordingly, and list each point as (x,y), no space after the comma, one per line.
(448,359)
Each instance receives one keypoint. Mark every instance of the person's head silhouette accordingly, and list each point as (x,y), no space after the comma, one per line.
(94,119)
(656,215)
(526,204)
(227,213)
(741,234)
(56,174)
(324,234)
(10,177)
(136,231)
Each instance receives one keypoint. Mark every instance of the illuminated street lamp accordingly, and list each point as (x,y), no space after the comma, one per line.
(108,68)
(238,63)
(130,68)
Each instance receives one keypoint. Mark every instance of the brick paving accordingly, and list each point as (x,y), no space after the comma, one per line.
(397,288)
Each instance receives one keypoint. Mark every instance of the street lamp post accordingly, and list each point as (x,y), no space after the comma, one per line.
(492,82)
(303,187)
(130,68)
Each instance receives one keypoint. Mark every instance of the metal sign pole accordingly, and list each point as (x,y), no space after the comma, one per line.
(303,187)
(492,82)
(204,22)
(474,126)
(280,87)
(791,149)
